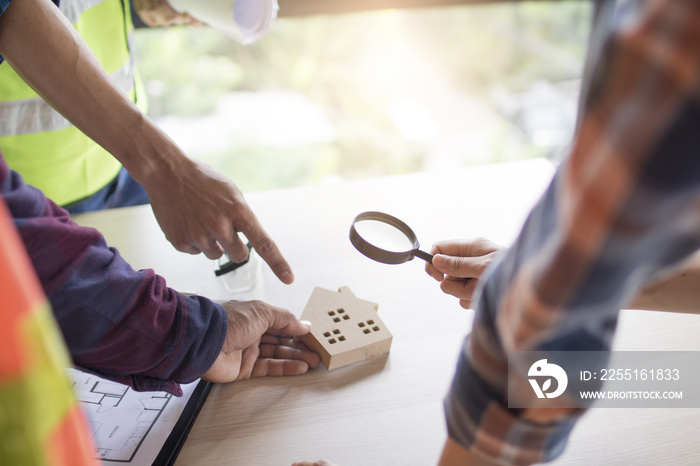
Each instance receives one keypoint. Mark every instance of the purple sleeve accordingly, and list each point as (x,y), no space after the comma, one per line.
(122,324)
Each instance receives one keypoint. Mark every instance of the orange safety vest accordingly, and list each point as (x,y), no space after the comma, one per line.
(40,420)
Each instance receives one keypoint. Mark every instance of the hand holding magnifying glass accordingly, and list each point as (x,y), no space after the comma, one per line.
(386,239)
(458,265)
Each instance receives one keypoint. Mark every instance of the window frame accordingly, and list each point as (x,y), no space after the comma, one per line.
(292,8)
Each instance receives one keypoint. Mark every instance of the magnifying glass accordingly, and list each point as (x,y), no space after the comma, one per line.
(385,239)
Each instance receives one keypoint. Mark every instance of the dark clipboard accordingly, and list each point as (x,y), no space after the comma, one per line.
(172,446)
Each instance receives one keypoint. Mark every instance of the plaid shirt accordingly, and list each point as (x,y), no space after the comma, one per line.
(122,324)
(624,206)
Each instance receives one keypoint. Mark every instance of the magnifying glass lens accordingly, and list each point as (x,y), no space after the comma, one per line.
(383,235)
(385,239)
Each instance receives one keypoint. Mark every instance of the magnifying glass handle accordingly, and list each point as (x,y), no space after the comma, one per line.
(425,256)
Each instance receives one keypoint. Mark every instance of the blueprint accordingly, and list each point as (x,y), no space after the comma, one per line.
(127,426)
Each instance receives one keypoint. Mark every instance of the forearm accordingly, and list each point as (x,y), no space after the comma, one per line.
(453,454)
(677,292)
(55,61)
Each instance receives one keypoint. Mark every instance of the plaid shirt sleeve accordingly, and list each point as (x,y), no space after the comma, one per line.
(624,206)
(122,324)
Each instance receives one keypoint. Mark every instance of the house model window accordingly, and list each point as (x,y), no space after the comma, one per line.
(344,329)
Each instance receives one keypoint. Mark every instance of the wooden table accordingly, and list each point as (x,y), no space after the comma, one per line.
(386,411)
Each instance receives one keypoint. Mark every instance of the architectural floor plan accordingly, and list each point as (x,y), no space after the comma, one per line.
(127,426)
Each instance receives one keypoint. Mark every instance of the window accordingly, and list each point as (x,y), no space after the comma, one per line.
(336,97)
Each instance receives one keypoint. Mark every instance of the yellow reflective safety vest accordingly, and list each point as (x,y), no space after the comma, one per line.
(45,148)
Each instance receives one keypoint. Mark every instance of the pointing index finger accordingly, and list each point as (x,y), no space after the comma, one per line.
(264,245)
(271,254)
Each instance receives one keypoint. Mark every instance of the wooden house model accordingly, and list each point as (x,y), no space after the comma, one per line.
(344,329)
